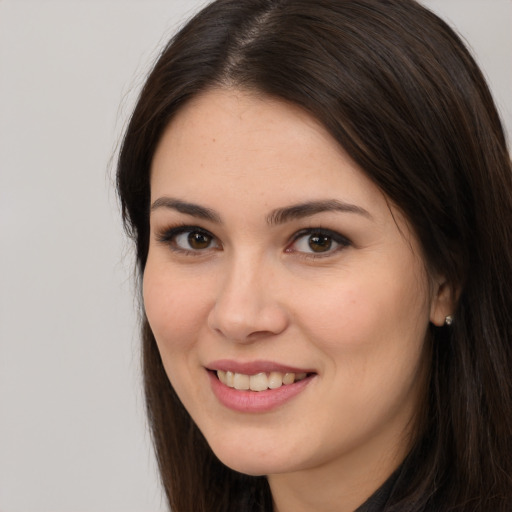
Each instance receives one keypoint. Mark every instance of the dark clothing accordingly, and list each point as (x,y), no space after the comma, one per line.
(378,500)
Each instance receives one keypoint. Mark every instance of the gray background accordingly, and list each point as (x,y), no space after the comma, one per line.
(72,429)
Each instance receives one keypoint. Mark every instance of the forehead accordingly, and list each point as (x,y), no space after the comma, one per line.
(257,143)
(242,125)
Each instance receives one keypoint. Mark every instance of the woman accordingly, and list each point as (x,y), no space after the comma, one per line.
(320,194)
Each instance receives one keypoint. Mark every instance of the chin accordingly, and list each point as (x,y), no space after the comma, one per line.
(254,468)
(253,461)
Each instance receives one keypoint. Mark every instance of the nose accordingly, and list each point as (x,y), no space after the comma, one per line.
(247,306)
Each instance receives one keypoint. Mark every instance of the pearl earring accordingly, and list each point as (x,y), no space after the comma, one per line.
(448,320)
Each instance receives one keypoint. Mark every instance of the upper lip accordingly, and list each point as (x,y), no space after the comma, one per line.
(254,367)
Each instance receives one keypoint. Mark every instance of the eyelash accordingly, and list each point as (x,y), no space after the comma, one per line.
(333,236)
(169,235)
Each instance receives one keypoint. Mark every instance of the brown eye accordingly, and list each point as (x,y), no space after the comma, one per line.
(198,240)
(319,243)
(189,239)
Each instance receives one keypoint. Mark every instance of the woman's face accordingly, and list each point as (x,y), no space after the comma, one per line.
(275,263)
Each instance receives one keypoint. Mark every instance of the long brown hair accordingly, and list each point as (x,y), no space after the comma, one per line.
(398,90)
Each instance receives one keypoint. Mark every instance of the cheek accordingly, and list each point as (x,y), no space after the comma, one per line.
(368,316)
(173,308)
(373,334)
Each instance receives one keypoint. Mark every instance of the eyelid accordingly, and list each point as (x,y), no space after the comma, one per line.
(339,239)
(168,236)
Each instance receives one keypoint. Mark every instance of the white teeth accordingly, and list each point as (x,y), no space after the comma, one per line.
(260,381)
(275,380)
(289,378)
(241,381)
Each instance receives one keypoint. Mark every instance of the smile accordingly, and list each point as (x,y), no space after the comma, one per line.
(259,382)
(257,387)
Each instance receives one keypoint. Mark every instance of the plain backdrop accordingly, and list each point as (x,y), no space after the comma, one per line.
(73,437)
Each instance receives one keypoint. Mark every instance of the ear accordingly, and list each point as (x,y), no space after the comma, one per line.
(444,300)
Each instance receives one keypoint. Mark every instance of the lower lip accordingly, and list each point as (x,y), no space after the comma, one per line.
(256,401)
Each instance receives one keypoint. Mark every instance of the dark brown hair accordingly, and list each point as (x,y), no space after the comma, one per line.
(398,90)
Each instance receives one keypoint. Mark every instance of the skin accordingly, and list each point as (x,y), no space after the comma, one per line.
(356,313)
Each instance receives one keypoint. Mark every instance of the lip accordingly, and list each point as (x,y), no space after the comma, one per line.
(254,367)
(255,401)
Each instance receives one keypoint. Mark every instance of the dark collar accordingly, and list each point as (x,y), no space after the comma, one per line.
(378,500)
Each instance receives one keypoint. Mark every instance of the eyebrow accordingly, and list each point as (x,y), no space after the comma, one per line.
(299,211)
(277,216)
(188,208)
